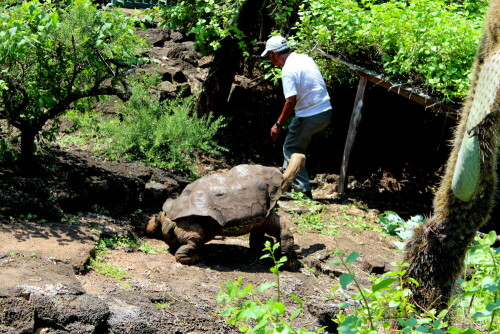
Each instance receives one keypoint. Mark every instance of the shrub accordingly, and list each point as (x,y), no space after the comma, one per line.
(426,43)
(164,134)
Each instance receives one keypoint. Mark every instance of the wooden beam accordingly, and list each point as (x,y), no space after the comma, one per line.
(353,129)
(412,94)
(426,101)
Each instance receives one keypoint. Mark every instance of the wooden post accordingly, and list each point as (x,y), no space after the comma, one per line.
(353,128)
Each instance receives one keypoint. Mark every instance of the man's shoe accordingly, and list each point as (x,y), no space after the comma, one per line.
(308,194)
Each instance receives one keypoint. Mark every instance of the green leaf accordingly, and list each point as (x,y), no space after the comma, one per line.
(265,286)
(492,306)
(265,256)
(490,238)
(345,279)
(352,257)
(297,299)
(412,322)
(344,304)
(383,284)
(12,31)
(350,325)
(278,308)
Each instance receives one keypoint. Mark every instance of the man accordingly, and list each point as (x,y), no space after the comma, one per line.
(306,95)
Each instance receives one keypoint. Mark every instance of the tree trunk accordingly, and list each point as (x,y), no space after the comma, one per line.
(227,59)
(217,85)
(26,159)
(465,198)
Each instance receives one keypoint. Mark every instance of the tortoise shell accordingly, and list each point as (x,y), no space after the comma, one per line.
(235,199)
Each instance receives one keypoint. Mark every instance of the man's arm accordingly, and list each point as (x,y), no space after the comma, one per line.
(286,113)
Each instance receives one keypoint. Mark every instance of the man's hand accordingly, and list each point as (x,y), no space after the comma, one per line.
(275,130)
(287,111)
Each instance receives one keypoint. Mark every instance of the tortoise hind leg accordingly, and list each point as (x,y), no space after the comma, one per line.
(191,238)
(278,227)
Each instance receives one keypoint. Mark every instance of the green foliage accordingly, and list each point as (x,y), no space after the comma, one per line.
(393,224)
(427,43)
(210,21)
(164,134)
(384,306)
(53,54)
(213,21)
(245,309)
(310,215)
(8,140)
(99,209)
(481,291)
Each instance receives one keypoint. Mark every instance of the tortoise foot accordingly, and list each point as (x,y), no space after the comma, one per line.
(187,255)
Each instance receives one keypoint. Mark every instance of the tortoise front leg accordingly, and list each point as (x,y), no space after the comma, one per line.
(278,227)
(191,238)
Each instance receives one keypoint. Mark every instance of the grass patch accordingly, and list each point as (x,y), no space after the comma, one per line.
(101,249)
(321,218)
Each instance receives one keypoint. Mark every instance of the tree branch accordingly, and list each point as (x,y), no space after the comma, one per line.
(64,104)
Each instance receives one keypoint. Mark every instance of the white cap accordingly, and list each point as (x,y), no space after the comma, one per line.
(275,43)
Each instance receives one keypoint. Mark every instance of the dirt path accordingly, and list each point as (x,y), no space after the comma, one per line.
(46,286)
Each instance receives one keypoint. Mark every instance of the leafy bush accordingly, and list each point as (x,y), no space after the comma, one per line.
(427,43)
(164,134)
(53,54)
(384,306)
(209,21)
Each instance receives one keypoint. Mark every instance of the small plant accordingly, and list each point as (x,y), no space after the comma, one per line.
(480,298)
(97,262)
(32,255)
(393,224)
(162,303)
(147,248)
(108,269)
(100,210)
(72,219)
(375,306)
(252,315)
(384,307)
(119,241)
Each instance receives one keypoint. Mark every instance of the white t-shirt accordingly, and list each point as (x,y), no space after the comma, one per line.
(301,77)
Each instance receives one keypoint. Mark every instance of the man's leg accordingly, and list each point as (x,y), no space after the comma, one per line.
(300,133)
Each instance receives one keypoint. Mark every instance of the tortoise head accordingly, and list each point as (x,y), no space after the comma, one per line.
(153,227)
(161,227)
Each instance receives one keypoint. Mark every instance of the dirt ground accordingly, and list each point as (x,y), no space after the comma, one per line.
(49,256)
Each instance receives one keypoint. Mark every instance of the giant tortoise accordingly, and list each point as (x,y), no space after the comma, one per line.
(232,203)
